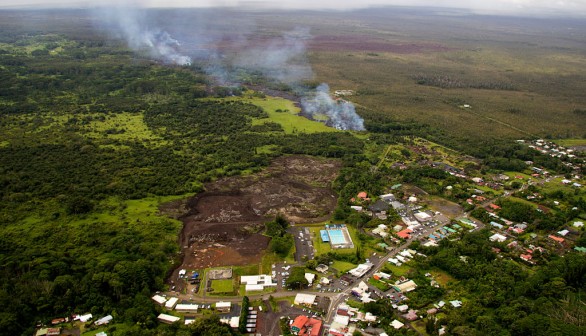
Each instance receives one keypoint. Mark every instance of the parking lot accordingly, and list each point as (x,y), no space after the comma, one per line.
(303,244)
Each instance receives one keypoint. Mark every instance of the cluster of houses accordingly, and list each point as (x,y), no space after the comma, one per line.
(84,318)
(344,323)
(174,304)
(413,218)
(552,149)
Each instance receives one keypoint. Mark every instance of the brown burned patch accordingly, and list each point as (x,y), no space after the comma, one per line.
(223,225)
(366,43)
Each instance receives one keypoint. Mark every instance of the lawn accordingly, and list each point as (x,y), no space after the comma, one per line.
(442,278)
(342,266)
(397,270)
(285,113)
(286,116)
(223,286)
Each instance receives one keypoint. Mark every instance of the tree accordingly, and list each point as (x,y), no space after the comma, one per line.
(297,278)
(79,205)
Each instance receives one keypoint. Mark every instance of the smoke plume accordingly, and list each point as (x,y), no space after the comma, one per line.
(283,59)
(340,113)
(129,23)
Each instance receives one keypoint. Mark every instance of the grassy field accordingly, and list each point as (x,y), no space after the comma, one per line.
(223,286)
(570,142)
(397,270)
(285,113)
(342,266)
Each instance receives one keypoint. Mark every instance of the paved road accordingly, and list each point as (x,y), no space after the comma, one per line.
(339,297)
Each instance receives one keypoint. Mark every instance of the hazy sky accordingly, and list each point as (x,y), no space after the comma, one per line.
(572,7)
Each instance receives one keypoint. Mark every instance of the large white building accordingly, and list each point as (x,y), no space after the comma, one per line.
(361,269)
(304,299)
(257,282)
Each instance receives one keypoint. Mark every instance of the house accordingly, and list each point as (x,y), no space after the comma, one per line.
(304,299)
(578,224)
(493,206)
(497,237)
(557,239)
(186,308)
(363,196)
(496,225)
(397,205)
(168,319)
(456,303)
(387,198)
(411,315)
(432,311)
(397,324)
(171,303)
(563,233)
(159,299)
(382,275)
(104,320)
(322,268)
(405,234)
(303,325)
(580,249)
(361,269)
(257,282)
(310,277)
(48,332)
(423,217)
(405,286)
(223,307)
(526,257)
(83,318)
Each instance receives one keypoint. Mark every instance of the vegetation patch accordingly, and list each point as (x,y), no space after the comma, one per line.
(223,286)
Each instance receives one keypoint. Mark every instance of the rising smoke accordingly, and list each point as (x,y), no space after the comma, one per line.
(340,113)
(129,23)
(283,59)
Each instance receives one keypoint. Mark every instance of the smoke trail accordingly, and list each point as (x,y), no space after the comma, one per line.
(341,114)
(128,22)
(285,59)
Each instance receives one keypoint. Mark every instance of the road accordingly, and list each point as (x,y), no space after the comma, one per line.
(339,297)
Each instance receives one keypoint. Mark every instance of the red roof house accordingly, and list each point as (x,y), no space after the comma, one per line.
(405,234)
(305,326)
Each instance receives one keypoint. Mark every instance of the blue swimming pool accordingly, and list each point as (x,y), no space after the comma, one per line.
(337,237)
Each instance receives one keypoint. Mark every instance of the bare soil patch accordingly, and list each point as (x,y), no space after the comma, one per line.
(223,225)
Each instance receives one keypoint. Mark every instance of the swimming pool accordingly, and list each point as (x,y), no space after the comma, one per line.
(337,237)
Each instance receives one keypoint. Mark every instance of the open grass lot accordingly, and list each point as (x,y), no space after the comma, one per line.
(285,113)
(342,266)
(570,142)
(223,286)
(397,270)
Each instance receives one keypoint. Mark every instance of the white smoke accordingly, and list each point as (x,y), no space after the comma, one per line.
(128,22)
(283,58)
(341,114)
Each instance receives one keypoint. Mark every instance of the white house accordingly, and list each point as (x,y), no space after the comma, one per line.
(304,299)
(497,237)
(169,319)
(171,303)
